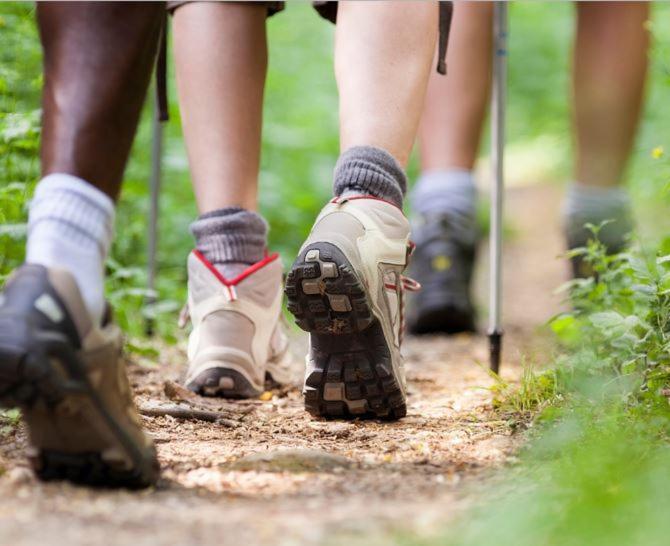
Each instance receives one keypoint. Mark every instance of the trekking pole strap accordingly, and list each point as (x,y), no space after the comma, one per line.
(446,15)
(161,74)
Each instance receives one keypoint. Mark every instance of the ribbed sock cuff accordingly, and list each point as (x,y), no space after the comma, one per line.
(366,170)
(68,207)
(231,235)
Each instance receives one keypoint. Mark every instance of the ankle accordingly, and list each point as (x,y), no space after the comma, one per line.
(366,170)
(231,239)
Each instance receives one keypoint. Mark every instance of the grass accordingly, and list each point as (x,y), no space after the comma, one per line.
(598,475)
(534,391)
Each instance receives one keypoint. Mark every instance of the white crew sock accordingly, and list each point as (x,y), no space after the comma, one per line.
(70,226)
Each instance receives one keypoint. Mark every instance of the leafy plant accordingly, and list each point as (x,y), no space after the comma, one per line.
(534,391)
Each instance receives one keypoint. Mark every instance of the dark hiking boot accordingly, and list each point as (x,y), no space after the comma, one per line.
(69,380)
(613,241)
(442,263)
(346,289)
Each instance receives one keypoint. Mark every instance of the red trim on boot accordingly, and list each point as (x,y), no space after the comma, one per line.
(247,272)
(356,197)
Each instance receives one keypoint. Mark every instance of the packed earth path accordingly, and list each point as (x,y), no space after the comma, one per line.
(264,472)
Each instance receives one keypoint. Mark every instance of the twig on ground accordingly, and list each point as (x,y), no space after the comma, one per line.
(181,412)
(174,391)
(177,393)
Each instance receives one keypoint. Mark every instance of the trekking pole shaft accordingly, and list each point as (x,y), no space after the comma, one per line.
(497,187)
(155,185)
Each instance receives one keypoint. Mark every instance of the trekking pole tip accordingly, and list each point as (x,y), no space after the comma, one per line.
(495,349)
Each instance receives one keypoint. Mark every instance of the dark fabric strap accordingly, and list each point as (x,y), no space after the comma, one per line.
(161,74)
(446,15)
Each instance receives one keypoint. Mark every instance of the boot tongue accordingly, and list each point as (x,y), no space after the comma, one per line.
(231,270)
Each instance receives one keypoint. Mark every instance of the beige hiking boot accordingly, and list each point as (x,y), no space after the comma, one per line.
(69,380)
(346,289)
(237,338)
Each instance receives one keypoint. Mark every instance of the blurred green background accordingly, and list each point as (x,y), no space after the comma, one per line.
(300,142)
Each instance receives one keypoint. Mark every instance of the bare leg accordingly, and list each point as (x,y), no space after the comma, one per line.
(383,56)
(221,59)
(221,97)
(97,63)
(456,105)
(610,67)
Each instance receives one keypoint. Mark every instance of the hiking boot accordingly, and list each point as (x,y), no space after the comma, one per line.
(443,263)
(69,379)
(237,338)
(346,289)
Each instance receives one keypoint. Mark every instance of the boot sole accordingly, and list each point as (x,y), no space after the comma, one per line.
(216,381)
(209,383)
(41,374)
(352,375)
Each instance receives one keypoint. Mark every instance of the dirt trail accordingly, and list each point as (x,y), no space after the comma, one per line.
(317,481)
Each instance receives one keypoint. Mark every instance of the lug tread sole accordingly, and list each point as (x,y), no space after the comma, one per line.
(212,383)
(28,380)
(351,374)
(324,293)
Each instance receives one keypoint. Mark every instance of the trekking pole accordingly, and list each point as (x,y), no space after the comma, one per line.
(497,186)
(159,115)
(155,186)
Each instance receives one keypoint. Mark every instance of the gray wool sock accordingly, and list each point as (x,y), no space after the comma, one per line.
(366,170)
(595,205)
(231,238)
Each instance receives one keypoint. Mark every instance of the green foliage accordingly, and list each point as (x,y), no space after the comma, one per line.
(621,316)
(597,476)
(9,420)
(19,129)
